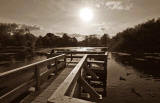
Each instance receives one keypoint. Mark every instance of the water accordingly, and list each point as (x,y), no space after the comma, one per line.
(132,80)
(80,48)
(10,65)
(15,63)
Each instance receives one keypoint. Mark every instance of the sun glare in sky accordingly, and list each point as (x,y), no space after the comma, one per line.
(86,14)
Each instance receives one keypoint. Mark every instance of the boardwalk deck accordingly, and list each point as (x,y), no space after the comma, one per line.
(42,98)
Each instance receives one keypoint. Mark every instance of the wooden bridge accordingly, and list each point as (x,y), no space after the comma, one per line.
(79,77)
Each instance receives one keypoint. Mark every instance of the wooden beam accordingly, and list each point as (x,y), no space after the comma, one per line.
(75,56)
(96,56)
(81,52)
(95,62)
(89,71)
(90,90)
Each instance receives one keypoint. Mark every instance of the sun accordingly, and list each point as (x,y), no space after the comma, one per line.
(86,14)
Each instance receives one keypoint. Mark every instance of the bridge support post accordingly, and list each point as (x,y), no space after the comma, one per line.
(37,78)
(105,76)
(65,61)
(56,68)
(71,57)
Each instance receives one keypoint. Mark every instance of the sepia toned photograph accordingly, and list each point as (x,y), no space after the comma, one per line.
(79,51)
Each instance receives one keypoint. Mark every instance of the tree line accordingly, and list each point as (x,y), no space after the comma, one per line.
(16,35)
(93,40)
(142,38)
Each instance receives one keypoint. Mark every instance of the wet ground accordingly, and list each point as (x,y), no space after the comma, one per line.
(132,79)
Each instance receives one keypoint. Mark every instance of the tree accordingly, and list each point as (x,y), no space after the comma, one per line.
(105,40)
(143,37)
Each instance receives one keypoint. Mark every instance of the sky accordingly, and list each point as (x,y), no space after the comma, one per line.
(58,16)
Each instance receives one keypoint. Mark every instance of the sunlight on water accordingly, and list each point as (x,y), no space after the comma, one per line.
(80,48)
(84,49)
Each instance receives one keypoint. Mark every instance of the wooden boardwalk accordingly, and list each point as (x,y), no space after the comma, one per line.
(82,79)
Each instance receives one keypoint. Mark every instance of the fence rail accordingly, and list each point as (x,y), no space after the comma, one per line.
(35,80)
(69,91)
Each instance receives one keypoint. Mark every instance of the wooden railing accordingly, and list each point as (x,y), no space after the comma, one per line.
(69,91)
(73,54)
(28,76)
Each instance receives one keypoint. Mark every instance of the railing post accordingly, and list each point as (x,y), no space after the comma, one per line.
(105,72)
(56,68)
(65,60)
(37,78)
(49,66)
(71,57)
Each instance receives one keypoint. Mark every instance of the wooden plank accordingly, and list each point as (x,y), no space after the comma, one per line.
(72,62)
(66,99)
(96,56)
(95,62)
(90,90)
(71,79)
(75,56)
(81,52)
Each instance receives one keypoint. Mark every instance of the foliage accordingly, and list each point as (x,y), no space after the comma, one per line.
(51,40)
(93,40)
(144,37)
(19,35)
(12,34)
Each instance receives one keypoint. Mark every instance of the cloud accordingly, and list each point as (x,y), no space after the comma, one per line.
(118,5)
(30,27)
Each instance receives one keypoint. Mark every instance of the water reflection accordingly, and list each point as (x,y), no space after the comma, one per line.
(144,67)
(132,79)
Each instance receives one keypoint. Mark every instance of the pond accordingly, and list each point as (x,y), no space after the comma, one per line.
(132,80)
(15,63)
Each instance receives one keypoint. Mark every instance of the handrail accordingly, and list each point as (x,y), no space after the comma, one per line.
(82,52)
(36,80)
(30,65)
(64,87)
(64,93)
